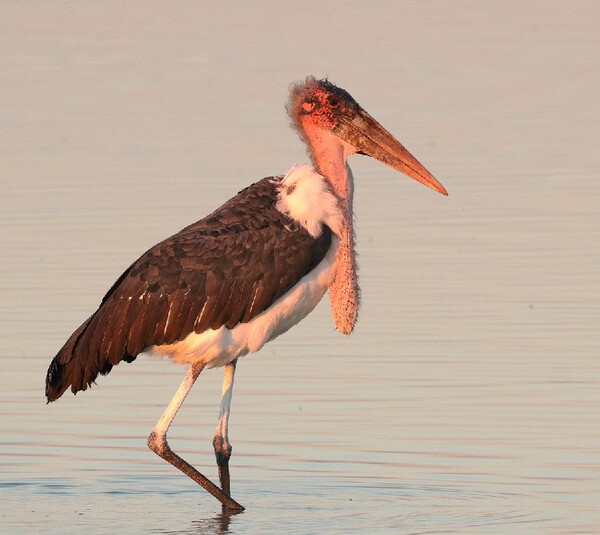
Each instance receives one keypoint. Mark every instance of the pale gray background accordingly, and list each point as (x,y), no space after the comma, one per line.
(467,400)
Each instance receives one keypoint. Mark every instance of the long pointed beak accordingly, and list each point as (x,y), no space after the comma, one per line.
(370,138)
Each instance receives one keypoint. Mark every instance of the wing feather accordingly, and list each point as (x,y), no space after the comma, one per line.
(225,269)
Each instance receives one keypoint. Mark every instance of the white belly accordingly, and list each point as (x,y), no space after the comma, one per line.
(220,346)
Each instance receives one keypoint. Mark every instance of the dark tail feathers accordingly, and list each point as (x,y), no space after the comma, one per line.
(66,370)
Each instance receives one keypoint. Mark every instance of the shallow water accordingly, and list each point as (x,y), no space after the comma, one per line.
(467,400)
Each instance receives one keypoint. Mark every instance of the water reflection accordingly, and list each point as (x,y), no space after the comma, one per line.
(217,525)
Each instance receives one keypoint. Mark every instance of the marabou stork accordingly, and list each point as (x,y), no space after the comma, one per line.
(227,284)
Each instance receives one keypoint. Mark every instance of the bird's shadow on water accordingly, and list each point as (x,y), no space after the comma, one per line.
(219,524)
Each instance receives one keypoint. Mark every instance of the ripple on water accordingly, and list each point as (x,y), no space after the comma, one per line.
(295,504)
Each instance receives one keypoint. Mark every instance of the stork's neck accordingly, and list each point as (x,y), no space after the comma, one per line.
(329,156)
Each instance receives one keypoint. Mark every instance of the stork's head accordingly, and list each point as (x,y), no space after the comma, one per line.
(318,107)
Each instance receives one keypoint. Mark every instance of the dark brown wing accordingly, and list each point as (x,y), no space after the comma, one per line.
(223,270)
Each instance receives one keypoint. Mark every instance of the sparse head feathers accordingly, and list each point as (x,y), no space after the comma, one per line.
(305,197)
(320,100)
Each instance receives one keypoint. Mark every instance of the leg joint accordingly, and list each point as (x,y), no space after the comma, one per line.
(222,450)
(158,444)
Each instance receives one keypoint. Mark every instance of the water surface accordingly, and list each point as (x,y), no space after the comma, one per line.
(467,400)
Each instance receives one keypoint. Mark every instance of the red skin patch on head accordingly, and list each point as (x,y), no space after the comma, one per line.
(322,114)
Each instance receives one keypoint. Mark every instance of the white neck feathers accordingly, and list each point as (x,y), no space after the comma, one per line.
(305,197)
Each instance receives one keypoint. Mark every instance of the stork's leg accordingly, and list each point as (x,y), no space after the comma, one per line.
(157,441)
(221,440)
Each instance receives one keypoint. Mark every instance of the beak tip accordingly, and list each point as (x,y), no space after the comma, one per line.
(436,186)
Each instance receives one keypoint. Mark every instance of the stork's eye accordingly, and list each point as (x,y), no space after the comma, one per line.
(333,101)
(308,106)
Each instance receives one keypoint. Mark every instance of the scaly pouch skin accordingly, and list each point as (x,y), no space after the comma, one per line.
(344,293)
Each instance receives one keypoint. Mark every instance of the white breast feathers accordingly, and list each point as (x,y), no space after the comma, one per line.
(305,196)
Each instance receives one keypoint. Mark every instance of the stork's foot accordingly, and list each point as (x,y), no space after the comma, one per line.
(158,444)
